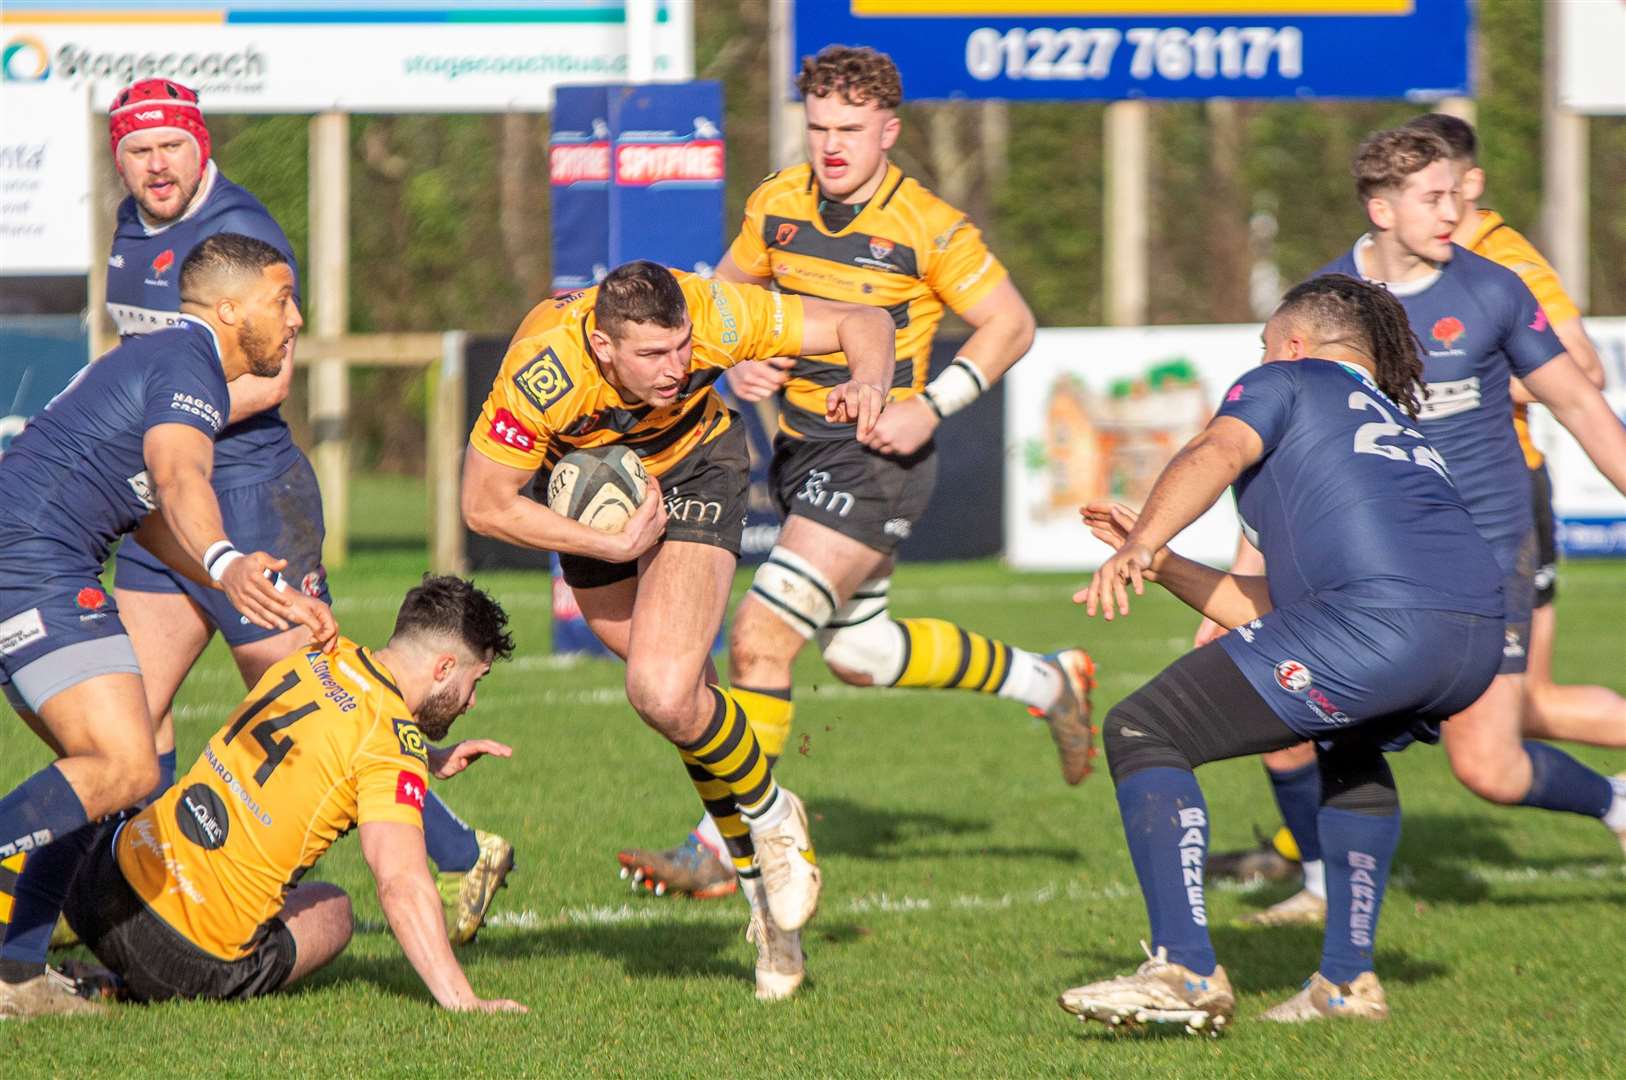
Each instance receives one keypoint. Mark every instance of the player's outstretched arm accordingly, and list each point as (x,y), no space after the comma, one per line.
(1561,386)
(1248,562)
(1227,600)
(494,506)
(395,854)
(867,337)
(447,762)
(179,460)
(1188,486)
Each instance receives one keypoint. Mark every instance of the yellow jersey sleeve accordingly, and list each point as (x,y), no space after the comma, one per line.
(392,773)
(959,267)
(1507,246)
(514,427)
(749,250)
(750,322)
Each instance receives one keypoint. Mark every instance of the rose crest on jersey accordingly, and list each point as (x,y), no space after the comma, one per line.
(1447,330)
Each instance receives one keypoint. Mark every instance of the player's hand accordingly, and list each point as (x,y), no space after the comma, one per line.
(855,402)
(316,617)
(643,530)
(491,1005)
(1106,590)
(448,762)
(249,583)
(1208,630)
(758,380)
(904,427)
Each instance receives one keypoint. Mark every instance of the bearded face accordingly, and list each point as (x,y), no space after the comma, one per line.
(436,714)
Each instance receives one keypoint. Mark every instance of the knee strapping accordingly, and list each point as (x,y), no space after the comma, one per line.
(794,589)
(1357,779)
(861,637)
(1137,738)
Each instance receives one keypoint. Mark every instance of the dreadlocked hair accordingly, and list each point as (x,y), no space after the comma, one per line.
(1338,309)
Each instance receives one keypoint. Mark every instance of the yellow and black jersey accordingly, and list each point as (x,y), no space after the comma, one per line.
(906,251)
(550,396)
(324,742)
(1501,243)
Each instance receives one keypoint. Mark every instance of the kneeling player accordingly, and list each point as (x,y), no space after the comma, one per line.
(1380,617)
(198,896)
(633,362)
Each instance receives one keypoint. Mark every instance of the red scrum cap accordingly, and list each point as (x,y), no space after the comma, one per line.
(158,103)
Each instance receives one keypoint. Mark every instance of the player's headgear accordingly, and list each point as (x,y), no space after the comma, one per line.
(158,103)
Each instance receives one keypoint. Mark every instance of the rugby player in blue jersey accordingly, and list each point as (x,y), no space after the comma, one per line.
(1480,328)
(1379,617)
(267,490)
(127,447)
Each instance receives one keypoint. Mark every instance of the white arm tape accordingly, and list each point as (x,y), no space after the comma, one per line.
(217,568)
(955,387)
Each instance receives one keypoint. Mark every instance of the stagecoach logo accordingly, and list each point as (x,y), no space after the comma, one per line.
(410,740)
(1447,330)
(201,816)
(544,380)
(839,503)
(1292,675)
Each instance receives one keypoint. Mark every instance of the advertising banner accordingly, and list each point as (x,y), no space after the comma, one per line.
(276,56)
(579,174)
(1591,48)
(44,196)
(1107,50)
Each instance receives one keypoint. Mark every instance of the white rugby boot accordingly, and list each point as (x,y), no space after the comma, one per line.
(1361,998)
(1159,992)
(790,870)
(781,964)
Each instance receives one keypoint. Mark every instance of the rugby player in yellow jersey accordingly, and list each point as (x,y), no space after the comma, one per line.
(849,225)
(199,895)
(632,362)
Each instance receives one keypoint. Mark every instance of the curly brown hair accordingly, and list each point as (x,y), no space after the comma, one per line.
(1386,158)
(1341,310)
(858,73)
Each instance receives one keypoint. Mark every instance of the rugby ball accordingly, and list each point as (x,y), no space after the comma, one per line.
(600,487)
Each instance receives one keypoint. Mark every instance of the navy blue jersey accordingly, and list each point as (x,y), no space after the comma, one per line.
(76,476)
(1479,325)
(144,295)
(1349,501)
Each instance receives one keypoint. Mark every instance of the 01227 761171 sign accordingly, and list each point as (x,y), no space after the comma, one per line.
(1076,53)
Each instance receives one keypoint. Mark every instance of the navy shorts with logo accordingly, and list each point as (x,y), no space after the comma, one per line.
(1326,667)
(705,495)
(282,517)
(1518,565)
(841,483)
(154,960)
(57,625)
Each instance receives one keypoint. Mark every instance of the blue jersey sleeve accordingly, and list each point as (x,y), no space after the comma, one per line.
(1263,399)
(1528,338)
(185,391)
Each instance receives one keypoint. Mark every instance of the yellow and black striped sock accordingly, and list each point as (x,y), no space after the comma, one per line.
(769,713)
(11,868)
(945,656)
(732,775)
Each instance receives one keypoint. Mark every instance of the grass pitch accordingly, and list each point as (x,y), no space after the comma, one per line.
(966,887)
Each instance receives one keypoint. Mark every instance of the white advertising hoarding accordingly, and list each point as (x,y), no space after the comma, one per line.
(1592,56)
(1095,413)
(44,192)
(254,56)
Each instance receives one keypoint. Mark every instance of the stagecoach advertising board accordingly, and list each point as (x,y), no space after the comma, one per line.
(1096,413)
(1108,50)
(280,56)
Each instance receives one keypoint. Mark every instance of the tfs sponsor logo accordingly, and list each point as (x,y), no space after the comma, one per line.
(409,790)
(583,163)
(507,429)
(644,164)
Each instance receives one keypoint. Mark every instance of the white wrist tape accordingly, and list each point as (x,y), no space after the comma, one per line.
(955,387)
(219,556)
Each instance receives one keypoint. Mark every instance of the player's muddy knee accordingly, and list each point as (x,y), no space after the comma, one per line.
(673,710)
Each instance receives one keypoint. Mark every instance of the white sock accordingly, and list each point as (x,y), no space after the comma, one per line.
(776,810)
(1615,818)
(1315,878)
(712,837)
(1032,680)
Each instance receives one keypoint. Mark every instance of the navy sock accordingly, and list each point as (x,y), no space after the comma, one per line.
(1358,850)
(166,772)
(451,843)
(1298,797)
(1559,782)
(1166,824)
(37,811)
(37,901)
